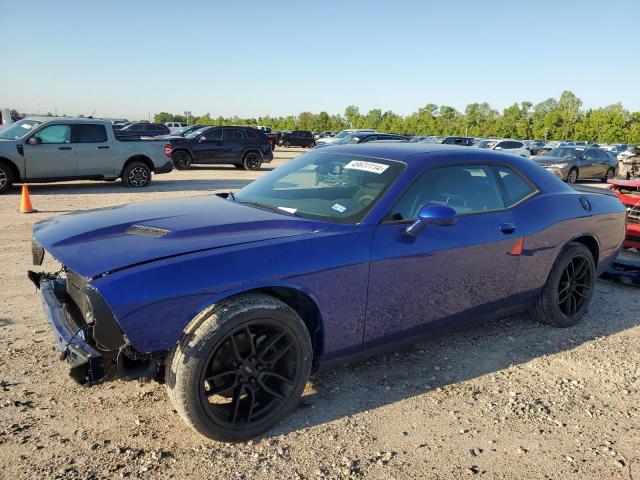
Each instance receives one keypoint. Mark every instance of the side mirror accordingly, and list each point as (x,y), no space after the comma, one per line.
(432,214)
(498,148)
(201,139)
(34,140)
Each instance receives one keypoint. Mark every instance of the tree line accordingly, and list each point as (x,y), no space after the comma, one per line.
(552,119)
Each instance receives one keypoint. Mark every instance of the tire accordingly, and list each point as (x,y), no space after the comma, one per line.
(6,178)
(286,144)
(181,159)
(550,307)
(256,342)
(572,176)
(311,145)
(251,161)
(609,175)
(136,175)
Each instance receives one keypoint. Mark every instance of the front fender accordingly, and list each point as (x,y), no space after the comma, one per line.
(153,303)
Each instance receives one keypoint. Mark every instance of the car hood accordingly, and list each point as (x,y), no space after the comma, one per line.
(544,160)
(94,242)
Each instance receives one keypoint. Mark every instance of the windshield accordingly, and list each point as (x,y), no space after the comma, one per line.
(433,139)
(484,143)
(563,152)
(353,138)
(342,134)
(18,129)
(195,133)
(324,186)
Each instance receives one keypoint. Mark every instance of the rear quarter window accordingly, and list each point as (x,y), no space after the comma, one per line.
(514,187)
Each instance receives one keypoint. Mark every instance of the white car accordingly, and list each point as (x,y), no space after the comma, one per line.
(175,125)
(342,134)
(515,147)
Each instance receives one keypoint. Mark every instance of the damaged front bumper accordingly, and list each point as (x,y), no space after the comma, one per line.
(86,364)
(86,332)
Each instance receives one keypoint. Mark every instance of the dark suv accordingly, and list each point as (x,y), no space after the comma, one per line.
(298,138)
(144,130)
(243,147)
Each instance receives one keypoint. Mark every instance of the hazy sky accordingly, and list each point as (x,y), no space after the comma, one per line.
(129,58)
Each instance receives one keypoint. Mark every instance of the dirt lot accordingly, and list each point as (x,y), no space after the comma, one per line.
(508,399)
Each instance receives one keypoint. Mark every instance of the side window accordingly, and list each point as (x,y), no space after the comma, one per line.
(89,134)
(251,134)
(501,145)
(465,188)
(55,134)
(590,154)
(213,135)
(371,138)
(514,187)
(232,134)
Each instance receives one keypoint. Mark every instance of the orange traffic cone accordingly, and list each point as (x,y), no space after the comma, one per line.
(25,201)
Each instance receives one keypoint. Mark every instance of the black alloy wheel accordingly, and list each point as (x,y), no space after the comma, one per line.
(566,295)
(181,160)
(251,373)
(252,161)
(239,367)
(574,288)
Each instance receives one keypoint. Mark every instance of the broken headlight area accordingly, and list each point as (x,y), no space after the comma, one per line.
(86,331)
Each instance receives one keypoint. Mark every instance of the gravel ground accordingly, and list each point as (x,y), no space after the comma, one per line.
(506,399)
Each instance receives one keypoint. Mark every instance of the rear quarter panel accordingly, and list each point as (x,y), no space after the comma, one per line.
(549,221)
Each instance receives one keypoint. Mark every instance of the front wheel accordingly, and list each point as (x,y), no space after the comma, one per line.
(252,161)
(566,295)
(6,177)
(572,177)
(287,144)
(240,367)
(136,174)
(181,160)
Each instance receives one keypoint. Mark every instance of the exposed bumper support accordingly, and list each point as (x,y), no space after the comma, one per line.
(86,364)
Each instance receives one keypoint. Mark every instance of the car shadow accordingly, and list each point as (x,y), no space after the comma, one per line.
(445,359)
(168,185)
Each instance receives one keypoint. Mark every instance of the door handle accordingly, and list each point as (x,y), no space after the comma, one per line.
(103,148)
(64,148)
(507,228)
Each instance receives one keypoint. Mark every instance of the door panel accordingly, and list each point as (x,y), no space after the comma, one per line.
(445,274)
(94,154)
(209,150)
(55,157)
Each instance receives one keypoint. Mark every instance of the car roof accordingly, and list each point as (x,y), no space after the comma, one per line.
(65,119)
(406,152)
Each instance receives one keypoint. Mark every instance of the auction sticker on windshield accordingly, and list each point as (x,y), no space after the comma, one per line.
(366,166)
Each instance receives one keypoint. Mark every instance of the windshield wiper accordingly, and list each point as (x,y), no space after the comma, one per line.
(268,208)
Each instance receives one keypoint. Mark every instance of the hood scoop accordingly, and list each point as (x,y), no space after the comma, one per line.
(146,231)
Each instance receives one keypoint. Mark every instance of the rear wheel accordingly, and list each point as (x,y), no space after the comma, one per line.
(252,161)
(566,295)
(181,160)
(240,367)
(609,175)
(6,177)
(572,177)
(136,174)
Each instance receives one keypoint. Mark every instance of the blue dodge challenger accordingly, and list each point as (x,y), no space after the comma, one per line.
(231,299)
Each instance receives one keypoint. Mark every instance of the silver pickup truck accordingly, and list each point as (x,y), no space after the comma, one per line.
(55,149)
